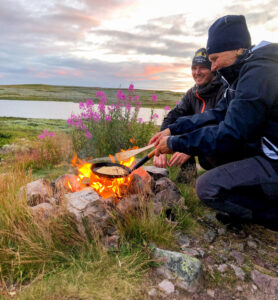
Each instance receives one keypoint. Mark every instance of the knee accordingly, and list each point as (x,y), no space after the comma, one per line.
(204,187)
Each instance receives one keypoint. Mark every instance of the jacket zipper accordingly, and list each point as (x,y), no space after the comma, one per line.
(204,103)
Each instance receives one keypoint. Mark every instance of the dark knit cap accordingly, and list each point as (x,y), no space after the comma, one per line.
(201,58)
(228,33)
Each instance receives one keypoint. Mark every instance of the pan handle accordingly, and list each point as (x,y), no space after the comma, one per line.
(143,160)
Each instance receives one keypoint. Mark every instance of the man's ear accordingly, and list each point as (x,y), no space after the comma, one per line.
(239,52)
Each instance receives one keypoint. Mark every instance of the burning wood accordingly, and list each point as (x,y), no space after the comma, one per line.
(105,187)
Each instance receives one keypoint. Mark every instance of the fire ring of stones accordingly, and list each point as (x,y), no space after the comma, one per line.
(86,206)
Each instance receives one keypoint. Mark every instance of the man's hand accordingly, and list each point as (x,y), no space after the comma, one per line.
(162,147)
(160,161)
(178,159)
(156,138)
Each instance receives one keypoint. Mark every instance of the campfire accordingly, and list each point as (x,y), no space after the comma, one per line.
(105,187)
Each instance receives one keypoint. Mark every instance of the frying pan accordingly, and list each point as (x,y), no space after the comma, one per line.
(128,171)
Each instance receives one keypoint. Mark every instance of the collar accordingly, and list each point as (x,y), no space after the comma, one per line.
(231,73)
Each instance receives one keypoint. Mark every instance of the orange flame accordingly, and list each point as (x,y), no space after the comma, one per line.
(105,187)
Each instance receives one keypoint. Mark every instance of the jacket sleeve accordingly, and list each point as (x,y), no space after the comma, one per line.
(244,120)
(180,110)
(208,117)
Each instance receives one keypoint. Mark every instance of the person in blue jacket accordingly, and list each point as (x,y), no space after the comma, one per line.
(239,138)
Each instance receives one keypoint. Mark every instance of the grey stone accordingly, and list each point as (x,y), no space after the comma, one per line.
(163,271)
(152,292)
(238,271)
(211,293)
(129,203)
(165,183)
(202,253)
(222,268)
(88,209)
(189,251)
(43,210)
(238,257)
(210,236)
(38,191)
(210,218)
(155,172)
(182,239)
(185,268)
(222,231)
(167,198)
(266,283)
(252,244)
(167,286)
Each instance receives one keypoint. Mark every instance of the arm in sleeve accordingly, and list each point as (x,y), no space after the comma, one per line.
(208,117)
(180,110)
(244,120)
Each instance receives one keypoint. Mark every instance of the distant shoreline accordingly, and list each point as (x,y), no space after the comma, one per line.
(40,92)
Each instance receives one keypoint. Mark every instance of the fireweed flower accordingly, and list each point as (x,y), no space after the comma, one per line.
(108,118)
(96,116)
(155,116)
(128,106)
(140,120)
(81,105)
(154,98)
(167,107)
(131,88)
(103,99)
(89,102)
(136,98)
(51,133)
(119,94)
(100,94)
(88,134)
(101,107)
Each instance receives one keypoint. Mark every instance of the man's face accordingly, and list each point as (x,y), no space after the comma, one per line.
(201,75)
(222,59)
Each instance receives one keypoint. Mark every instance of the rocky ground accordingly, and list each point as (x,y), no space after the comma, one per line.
(235,264)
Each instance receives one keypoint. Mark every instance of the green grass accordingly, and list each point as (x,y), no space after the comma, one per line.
(41,92)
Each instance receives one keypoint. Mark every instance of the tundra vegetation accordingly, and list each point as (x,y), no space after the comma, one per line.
(48,259)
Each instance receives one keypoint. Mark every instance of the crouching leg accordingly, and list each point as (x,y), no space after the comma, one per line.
(247,190)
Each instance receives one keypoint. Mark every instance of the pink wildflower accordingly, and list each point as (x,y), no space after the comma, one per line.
(89,102)
(131,87)
(167,107)
(70,121)
(108,118)
(155,116)
(140,120)
(81,105)
(103,99)
(88,134)
(119,94)
(101,107)
(42,136)
(100,94)
(51,133)
(128,106)
(136,98)
(154,98)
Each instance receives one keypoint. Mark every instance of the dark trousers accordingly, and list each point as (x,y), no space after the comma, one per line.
(246,189)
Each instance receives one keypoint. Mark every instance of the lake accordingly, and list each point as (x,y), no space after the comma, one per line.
(56,110)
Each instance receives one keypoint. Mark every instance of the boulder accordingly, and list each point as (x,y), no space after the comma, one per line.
(155,172)
(266,283)
(38,191)
(43,210)
(89,211)
(186,269)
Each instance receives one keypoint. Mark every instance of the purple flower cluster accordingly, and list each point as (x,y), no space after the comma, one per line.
(45,134)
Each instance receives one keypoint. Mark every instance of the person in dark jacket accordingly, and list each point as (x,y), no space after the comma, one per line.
(239,138)
(204,95)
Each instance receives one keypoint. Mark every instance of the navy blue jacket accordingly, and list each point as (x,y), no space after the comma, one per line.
(247,115)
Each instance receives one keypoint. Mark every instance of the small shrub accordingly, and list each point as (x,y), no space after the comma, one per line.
(101,130)
(47,152)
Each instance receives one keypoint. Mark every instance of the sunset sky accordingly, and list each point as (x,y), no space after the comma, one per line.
(112,43)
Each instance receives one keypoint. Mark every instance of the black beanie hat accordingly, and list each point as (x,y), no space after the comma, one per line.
(228,33)
(201,58)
